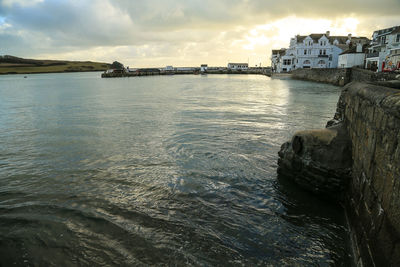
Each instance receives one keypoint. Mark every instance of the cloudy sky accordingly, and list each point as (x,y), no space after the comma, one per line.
(178,32)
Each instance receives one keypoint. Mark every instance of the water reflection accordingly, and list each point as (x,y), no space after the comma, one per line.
(177,170)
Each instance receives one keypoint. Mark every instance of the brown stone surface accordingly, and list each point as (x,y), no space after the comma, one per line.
(369,116)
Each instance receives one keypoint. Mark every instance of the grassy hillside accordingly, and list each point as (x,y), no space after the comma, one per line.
(16,65)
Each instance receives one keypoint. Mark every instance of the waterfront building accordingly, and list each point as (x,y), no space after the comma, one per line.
(203,67)
(393,58)
(276,61)
(384,49)
(238,66)
(317,50)
(353,57)
(116,71)
(186,68)
(148,71)
(129,70)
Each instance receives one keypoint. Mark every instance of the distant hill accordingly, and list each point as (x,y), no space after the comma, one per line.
(16,65)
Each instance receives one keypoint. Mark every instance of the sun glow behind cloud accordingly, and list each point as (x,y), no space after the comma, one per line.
(254,44)
(278,33)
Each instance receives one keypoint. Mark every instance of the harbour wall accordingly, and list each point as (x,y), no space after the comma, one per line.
(156,72)
(372,118)
(338,77)
(356,158)
(342,76)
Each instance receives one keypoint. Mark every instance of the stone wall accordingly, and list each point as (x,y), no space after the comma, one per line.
(372,117)
(342,77)
(358,157)
(332,76)
(362,75)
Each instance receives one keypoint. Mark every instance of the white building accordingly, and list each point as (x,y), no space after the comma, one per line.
(353,57)
(380,53)
(276,61)
(393,58)
(186,68)
(314,51)
(203,67)
(238,66)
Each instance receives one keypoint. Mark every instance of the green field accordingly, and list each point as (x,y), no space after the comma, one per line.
(15,65)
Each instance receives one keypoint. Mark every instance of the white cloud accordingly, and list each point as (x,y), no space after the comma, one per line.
(180,32)
(9,3)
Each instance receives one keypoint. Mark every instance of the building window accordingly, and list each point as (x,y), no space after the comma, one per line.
(320,51)
(305,52)
(398,38)
(307,62)
(286,62)
(321,62)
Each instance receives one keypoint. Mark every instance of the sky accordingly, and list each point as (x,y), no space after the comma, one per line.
(156,33)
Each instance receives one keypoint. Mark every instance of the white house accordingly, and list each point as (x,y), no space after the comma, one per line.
(203,67)
(393,59)
(276,61)
(314,51)
(186,68)
(238,66)
(380,55)
(352,57)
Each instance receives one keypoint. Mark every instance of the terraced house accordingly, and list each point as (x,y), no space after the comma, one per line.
(314,51)
(384,50)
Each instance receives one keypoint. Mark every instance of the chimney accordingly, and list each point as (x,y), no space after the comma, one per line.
(359,48)
(327,33)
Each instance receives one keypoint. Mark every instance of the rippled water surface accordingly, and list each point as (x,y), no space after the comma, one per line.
(170,170)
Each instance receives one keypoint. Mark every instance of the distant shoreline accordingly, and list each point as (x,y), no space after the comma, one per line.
(14,65)
(48,72)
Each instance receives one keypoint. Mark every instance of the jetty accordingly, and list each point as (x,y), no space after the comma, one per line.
(118,73)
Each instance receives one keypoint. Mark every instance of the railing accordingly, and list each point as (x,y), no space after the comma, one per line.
(376,54)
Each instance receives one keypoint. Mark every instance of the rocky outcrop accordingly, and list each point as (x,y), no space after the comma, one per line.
(318,160)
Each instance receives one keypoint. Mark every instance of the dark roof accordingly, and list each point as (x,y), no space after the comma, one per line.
(279,51)
(353,50)
(149,70)
(397,30)
(387,30)
(341,39)
(342,46)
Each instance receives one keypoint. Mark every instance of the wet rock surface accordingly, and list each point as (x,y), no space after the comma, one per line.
(318,160)
(356,159)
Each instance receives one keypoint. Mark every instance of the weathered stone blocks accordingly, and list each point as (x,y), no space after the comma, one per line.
(318,160)
(368,121)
